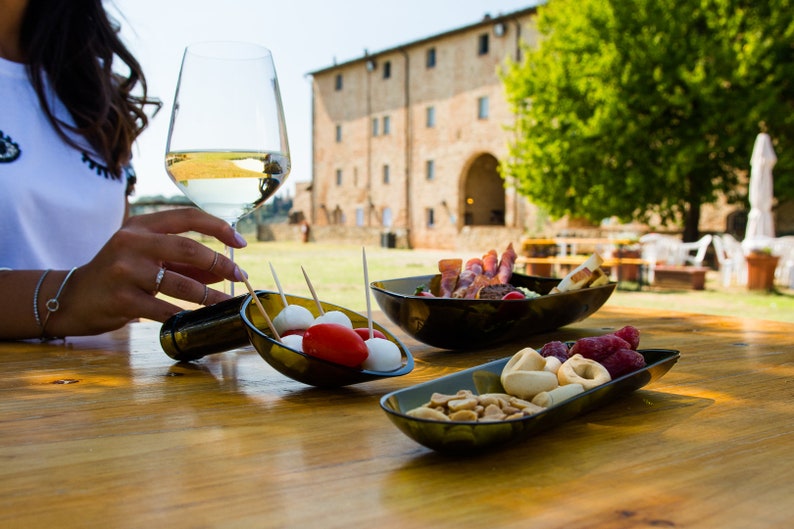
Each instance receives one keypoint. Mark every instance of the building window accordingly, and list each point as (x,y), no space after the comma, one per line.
(482,44)
(339,134)
(387,69)
(359,216)
(338,177)
(386,175)
(482,107)
(374,126)
(386,125)
(430,169)
(430,217)
(338,82)
(386,218)
(430,117)
(430,60)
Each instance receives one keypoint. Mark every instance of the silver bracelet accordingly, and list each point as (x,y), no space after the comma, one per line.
(36,300)
(53,304)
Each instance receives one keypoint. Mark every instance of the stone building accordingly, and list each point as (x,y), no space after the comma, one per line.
(407,141)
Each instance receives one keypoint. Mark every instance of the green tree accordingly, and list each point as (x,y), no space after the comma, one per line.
(635,107)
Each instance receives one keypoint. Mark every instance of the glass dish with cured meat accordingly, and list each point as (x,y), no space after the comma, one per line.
(438,414)
(483,303)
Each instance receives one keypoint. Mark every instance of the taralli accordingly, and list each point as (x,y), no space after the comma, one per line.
(527,359)
(552,364)
(557,395)
(526,374)
(580,370)
(527,384)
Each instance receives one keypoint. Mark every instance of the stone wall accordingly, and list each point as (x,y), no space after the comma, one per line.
(470,239)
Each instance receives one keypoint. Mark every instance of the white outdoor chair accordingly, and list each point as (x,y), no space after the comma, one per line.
(730,259)
(783,247)
(693,253)
(657,248)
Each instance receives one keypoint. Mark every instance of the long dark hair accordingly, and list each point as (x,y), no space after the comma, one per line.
(75,43)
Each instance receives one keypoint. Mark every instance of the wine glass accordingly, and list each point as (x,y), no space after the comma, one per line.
(227,147)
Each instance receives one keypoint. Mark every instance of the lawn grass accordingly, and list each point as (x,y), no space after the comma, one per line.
(336,271)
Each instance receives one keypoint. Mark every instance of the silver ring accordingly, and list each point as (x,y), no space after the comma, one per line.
(159,279)
(206,295)
(214,262)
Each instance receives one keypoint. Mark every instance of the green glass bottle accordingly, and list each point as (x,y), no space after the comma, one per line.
(193,334)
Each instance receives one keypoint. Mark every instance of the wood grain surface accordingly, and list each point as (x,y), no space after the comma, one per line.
(108,431)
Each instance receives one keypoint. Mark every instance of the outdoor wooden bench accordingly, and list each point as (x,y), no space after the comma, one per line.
(686,277)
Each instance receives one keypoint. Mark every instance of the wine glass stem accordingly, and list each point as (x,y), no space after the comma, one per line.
(230,255)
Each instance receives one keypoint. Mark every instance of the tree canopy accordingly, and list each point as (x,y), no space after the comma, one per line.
(630,108)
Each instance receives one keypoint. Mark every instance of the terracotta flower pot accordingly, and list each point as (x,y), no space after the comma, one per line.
(761,271)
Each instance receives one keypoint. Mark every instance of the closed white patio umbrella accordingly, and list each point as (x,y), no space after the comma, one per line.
(760,224)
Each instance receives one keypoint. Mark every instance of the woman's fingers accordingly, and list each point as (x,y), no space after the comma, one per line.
(178,286)
(145,257)
(157,235)
(188,219)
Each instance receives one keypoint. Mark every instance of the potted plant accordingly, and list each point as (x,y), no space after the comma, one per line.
(761,265)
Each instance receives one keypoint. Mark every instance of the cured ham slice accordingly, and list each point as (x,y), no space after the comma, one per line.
(472,270)
(478,273)
(505,270)
(489,263)
(450,271)
(479,282)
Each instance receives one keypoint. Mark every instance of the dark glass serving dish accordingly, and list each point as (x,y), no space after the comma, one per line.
(472,437)
(303,367)
(449,323)
(237,323)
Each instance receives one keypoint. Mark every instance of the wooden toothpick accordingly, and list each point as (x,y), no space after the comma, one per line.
(366,289)
(314,294)
(262,309)
(278,285)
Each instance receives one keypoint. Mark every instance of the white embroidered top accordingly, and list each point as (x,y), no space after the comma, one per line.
(58,205)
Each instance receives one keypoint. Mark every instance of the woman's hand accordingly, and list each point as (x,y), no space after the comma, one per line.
(121,282)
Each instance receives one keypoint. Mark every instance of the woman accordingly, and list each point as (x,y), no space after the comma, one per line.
(71,262)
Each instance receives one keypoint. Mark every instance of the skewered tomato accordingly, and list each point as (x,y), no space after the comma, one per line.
(364,333)
(335,343)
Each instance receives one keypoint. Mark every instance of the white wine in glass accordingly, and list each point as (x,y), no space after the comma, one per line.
(227,144)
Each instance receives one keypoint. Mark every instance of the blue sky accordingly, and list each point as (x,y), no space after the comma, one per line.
(304,36)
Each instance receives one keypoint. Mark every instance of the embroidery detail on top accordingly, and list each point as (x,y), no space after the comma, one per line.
(9,150)
(132,179)
(98,168)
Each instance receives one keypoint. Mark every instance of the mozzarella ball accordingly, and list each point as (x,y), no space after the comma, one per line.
(334,316)
(293,341)
(384,355)
(293,317)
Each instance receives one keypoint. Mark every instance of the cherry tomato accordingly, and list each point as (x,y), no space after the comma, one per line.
(425,294)
(364,333)
(515,294)
(335,343)
(298,332)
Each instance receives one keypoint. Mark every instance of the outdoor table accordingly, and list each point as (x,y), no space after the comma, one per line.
(108,431)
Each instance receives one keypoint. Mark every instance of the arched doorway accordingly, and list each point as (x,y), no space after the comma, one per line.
(483,193)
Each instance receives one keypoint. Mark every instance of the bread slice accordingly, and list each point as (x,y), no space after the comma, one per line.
(579,276)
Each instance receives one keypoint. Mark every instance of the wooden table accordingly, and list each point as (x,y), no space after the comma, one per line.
(109,432)
(565,246)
